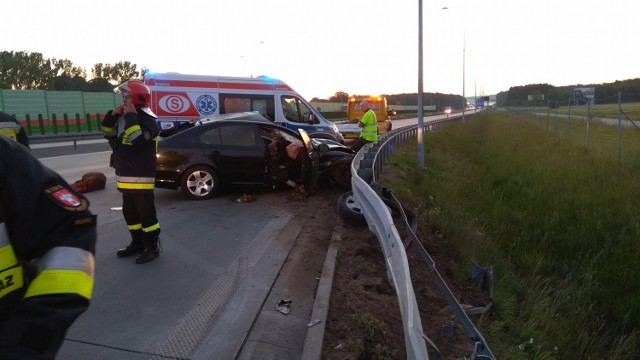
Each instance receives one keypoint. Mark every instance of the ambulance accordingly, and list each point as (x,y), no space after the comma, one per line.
(177,98)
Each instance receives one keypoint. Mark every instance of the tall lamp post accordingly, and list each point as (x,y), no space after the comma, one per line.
(464,98)
(464,49)
(420,90)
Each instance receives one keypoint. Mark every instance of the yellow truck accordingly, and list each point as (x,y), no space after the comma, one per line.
(350,130)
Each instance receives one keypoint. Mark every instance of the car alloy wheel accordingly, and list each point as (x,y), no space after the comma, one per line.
(199,183)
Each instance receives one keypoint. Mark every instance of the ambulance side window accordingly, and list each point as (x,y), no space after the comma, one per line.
(235,103)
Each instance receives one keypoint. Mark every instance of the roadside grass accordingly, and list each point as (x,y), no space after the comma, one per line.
(558,223)
(608,111)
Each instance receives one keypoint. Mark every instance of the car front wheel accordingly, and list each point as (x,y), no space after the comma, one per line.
(199,183)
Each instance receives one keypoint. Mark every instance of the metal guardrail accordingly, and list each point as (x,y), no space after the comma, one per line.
(367,192)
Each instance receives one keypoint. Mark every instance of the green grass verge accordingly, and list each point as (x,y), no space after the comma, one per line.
(558,223)
(608,111)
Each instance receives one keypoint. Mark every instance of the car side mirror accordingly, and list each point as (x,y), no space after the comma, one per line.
(313,119)
(323,147)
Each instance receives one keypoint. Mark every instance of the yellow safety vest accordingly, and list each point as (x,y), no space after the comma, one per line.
(370,128)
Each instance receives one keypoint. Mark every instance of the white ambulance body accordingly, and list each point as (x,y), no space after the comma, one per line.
(180,97)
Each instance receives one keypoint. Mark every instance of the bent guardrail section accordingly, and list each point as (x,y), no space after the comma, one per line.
(367,165)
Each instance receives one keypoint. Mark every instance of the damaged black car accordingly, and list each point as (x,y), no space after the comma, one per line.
(202,155)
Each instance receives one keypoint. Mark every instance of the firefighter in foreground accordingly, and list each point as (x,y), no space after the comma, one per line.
(47,247)
(133,135)
(11,128)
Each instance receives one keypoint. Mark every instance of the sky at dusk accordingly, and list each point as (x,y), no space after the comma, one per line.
(354,46)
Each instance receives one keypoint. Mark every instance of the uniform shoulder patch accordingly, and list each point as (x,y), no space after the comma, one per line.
(66,198)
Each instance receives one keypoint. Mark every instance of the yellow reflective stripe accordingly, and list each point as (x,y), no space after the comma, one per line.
(151,228)
(132,130)
(9,133)
(108,129)
(134,186)
(10,280)
(61,282)
(11,277)
(134,135)
(135,227)
(7,257)
(135,183)
(64,270)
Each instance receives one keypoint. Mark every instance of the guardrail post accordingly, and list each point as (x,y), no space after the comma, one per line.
(41,124)
(98,121)
(28,120)
(87,119)
(78,124)
(65,118)
(54,120)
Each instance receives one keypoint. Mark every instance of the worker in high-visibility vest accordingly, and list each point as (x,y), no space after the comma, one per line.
(47,247)
(11,128)
(369,126)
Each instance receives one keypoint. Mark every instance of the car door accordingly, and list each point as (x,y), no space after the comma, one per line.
(237,152)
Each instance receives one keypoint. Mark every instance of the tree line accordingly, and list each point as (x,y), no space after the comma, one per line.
(21,70)
(554,96)
(441,101)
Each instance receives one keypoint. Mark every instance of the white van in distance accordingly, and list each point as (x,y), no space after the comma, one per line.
(181,97)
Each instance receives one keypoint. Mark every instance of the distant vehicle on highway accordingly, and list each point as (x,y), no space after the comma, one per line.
(201,155)
(447,110)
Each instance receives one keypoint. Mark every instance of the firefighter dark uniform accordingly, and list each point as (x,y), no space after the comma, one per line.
(11,128)
(133,137)
(47,247)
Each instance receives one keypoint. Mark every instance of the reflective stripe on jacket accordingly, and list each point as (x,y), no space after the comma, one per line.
(9,129)
(62,270)
(10,270)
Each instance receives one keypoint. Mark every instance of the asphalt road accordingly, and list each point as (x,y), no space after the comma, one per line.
(209,295)
(201,297)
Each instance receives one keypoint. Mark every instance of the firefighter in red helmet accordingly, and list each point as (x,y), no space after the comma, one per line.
(47,247)
(132,132)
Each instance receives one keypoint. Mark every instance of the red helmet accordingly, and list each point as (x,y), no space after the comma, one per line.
(136,88)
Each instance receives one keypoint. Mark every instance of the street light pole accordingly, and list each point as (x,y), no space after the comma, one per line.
(420,90)
(464,98)
(464,39)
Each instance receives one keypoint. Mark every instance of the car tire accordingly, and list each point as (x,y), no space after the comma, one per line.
(349,210)
(199,183)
